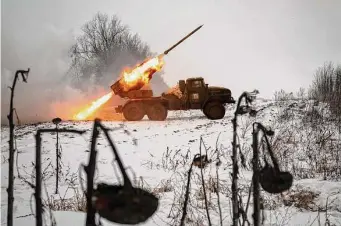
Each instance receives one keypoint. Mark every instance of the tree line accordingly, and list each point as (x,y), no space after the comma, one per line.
(326,87)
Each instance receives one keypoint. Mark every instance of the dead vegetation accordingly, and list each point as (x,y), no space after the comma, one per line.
(326,88)
(75,203)
(177,161)
(73,199)
(306,143)
(302,199)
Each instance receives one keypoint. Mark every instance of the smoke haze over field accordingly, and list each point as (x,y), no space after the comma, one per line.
(47,93)
(243,45)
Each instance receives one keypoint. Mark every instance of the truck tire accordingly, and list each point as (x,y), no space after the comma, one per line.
(214,110)
(157,112)
(133,111)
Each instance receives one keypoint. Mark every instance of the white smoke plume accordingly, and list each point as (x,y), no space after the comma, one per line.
(48,92)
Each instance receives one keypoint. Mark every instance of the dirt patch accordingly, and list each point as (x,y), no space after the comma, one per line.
(302,199)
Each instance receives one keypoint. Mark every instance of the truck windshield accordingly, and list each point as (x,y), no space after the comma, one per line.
(196,84)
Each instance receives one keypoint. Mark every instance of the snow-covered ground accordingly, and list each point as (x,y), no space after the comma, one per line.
(159,154)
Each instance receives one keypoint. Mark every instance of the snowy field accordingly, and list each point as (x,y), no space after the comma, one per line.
(159,154)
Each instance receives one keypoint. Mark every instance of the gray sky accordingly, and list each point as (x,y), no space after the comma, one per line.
(268,45)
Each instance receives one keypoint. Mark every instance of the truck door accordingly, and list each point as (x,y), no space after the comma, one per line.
(196,93)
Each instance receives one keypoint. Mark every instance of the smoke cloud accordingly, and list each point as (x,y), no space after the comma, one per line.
(48,92)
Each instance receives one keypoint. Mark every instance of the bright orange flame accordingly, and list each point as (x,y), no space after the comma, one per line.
(142,73)
(134,78)
(94,106)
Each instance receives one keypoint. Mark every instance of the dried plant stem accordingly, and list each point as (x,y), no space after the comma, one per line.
(255,178)
(248,99)
(126,180)
(57,161)
(10,188)
(90,172)
(39,207)
(234,186)
(218,199)
(247,206)
(217,174)
(204,189)
(37,194)
(184,209)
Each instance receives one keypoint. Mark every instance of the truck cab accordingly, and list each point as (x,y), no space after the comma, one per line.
(197,93)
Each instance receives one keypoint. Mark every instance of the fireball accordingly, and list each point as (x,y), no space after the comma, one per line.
(139,76)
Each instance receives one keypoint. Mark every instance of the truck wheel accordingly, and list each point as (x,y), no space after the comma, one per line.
(204,113)
(157,112)
(133,111)
(214,110)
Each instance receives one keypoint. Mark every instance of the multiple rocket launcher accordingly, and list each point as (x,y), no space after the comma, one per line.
(118,87)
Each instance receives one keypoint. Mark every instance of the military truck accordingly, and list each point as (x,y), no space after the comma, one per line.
(195,94)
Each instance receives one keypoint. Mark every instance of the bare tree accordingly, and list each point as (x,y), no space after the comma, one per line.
(322,87)
(104,48)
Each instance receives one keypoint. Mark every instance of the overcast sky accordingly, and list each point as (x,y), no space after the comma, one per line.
(265,44)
